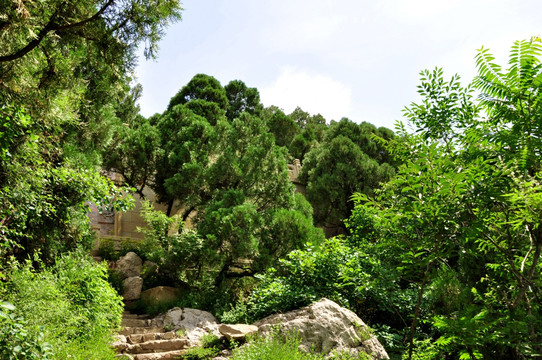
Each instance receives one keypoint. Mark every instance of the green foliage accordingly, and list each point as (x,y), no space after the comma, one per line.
(71,303)
(285,347)
(311,133)
(210,347)
(133,151)
(275,347)
(65,84)
(461,219)
(347,161)
(16,342)
(106,249)
(200,353)
(283,128)
(173,249)
(332,269)
(201,87)
(424,350)
(241,98)
(43,198)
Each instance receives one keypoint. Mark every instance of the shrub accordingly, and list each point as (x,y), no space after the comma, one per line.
(274,347)
(210,347)
(106,249)
(285,347)
(334,270)
(72,302)
(17,341)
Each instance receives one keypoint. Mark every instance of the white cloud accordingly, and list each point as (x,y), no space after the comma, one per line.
(314,93)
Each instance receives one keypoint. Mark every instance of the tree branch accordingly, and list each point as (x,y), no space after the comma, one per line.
(32,44)
(90,19)
(52,26)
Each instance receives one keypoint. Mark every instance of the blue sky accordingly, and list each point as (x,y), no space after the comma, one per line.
(343,58)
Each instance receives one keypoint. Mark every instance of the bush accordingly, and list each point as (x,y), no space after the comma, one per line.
(72,302)
(285,347)
(333,270)
(106,249)
(210,347)
(16,341)
(274,347)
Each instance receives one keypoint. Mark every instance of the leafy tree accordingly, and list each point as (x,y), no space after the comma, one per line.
(201,87)
(232,180)
(303,119)
(338,167)
(133,152)
(363,135)
(312,130)
(187,142)
(64,80)
(242,98)
(253,201)
(302,143)
(282,127)
(465,208)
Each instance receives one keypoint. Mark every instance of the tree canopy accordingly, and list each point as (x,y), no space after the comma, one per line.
(64,85)
(461,220)
(349,159)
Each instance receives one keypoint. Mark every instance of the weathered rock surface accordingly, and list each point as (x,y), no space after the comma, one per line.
(160,295)
(129,265)
(132,288)
(326,327)
(237,332)
(195,323)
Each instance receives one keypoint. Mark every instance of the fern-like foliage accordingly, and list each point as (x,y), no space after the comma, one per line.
(513,99)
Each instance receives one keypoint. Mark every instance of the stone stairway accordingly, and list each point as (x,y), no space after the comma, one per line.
(143,338)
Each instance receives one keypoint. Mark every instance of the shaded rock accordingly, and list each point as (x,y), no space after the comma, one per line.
(237,332)
(129,265)
(326,327)
(132,288)
(160,295)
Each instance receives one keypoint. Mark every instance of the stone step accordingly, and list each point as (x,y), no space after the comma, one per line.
(141,330)
(156,346)
(128,315)
(175,354)
(140,338)
(128,322)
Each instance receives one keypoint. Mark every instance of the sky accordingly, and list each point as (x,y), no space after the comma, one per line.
(341,58)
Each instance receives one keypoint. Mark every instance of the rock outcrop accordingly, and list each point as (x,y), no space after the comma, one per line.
(129,265)
(132,288)
(326,327)
(322,327)
(195,323)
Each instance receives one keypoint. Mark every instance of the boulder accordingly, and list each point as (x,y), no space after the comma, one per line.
(129,265)
(195,323)
(132,288)
(160,295)
(237,332)
(326,327)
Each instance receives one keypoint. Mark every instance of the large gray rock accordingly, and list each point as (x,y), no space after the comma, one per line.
(129,265)
(195,323)
(132,288)
(326,327)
